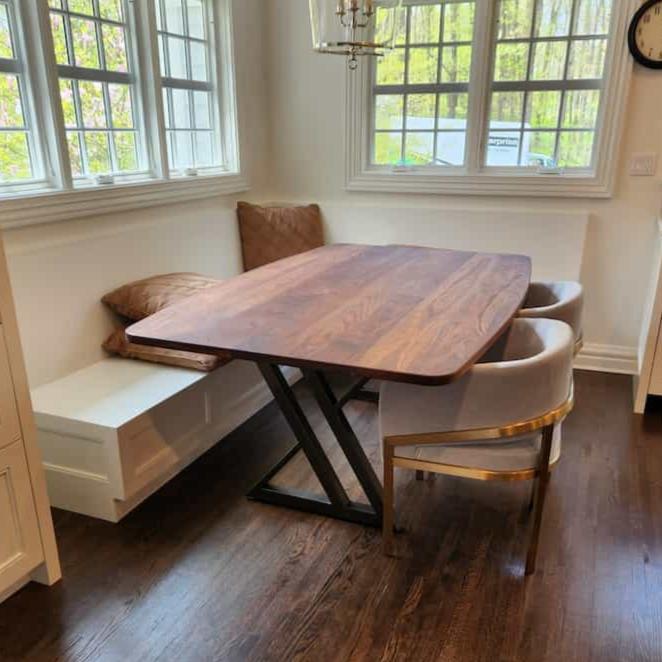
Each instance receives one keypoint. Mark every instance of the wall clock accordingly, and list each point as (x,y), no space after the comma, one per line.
(645,35)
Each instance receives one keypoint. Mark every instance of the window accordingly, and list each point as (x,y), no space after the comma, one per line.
(535,111)
(20,160)
(125,93)
(97,86)
(188,90)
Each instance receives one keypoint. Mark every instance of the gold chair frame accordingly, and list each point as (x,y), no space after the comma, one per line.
(542,472)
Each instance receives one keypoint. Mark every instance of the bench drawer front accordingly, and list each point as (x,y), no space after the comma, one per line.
(160,439)
(10,429)
(20,542)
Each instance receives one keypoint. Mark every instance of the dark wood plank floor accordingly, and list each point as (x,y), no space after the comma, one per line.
(200,573)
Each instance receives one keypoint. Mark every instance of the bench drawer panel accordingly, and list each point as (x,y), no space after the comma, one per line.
(158,440)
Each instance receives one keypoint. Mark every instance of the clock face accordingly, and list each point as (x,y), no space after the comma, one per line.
(646,35)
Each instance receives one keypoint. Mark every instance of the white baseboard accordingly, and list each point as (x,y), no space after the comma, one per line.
(608,358)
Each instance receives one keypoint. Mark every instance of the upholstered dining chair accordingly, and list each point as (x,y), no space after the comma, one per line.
(500,421)
(560,300)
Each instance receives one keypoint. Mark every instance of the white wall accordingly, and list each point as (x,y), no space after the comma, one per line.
(307,98)
(59,271)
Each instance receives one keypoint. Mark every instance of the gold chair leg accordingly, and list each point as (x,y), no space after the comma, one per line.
(420,475)
(388,521)
(539,500)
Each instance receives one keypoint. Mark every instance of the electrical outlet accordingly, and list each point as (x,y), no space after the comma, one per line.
(643,164)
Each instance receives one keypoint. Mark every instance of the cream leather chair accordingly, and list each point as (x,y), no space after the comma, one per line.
(561,300)
(501,421)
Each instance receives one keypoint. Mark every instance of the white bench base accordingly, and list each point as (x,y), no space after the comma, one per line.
(115,432)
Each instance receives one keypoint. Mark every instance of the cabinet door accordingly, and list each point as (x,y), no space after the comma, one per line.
(10,429)
(20,543)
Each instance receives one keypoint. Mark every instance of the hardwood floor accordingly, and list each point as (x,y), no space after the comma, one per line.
(200,573)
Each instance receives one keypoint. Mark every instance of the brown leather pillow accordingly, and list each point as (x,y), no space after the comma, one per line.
(118,343)
(272,233)
(143,298)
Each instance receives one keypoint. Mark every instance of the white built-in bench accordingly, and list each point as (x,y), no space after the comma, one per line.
(111,434)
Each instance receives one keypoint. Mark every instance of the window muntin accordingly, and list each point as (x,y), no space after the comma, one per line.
(20,161)
(190,110)
(547,83)
(421,88)
(540,105)
(97,87)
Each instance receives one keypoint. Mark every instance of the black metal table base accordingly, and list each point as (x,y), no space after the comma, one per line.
(336,503)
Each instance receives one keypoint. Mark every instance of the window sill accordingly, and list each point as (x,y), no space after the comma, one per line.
(534,185)
(52,206)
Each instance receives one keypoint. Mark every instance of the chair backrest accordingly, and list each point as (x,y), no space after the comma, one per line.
(529,374)
(560,300)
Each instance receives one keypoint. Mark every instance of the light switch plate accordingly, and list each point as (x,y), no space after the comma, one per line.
(643,164)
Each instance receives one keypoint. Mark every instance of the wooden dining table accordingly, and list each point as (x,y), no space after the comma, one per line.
(401,313)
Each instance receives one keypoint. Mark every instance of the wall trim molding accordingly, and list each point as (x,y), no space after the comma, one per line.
(617,359)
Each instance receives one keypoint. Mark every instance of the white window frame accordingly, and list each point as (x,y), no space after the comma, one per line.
(473,178)
(59,197)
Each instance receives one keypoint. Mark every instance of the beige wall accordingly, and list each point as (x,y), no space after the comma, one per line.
(307,97)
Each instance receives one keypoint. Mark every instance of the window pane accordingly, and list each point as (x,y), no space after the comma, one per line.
(111,10)
(198,61)
(183,149)
(177,57)
(511,62)
(125,150)
(453,110)
(450,148)
(6,49)
(593,16)
(587,59)
(420,111)
(81,7)
(11,108)
(538,149)
(388,148)
(553,18)
(391,68)
(114,47)
(458,21)
(92,104)
(59,39)
(68,102)
(120,104)
(515,18)
(201,108)
(542,110)
(14,156)
(98,152)
(174,16)
(424,24)
(456,64)
(196,18)
(419,148)
(503,148)
(73,140)
(548,60)
(580,109)
(86,50)
(506,110)
(389,111)
(423,63)
(575,149)
(181,109)
(204,149)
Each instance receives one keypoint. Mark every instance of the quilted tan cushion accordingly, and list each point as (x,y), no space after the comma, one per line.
(272,233)
(143,298)
(118,343)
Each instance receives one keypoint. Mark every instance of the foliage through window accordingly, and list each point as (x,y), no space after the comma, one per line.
(545,92)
